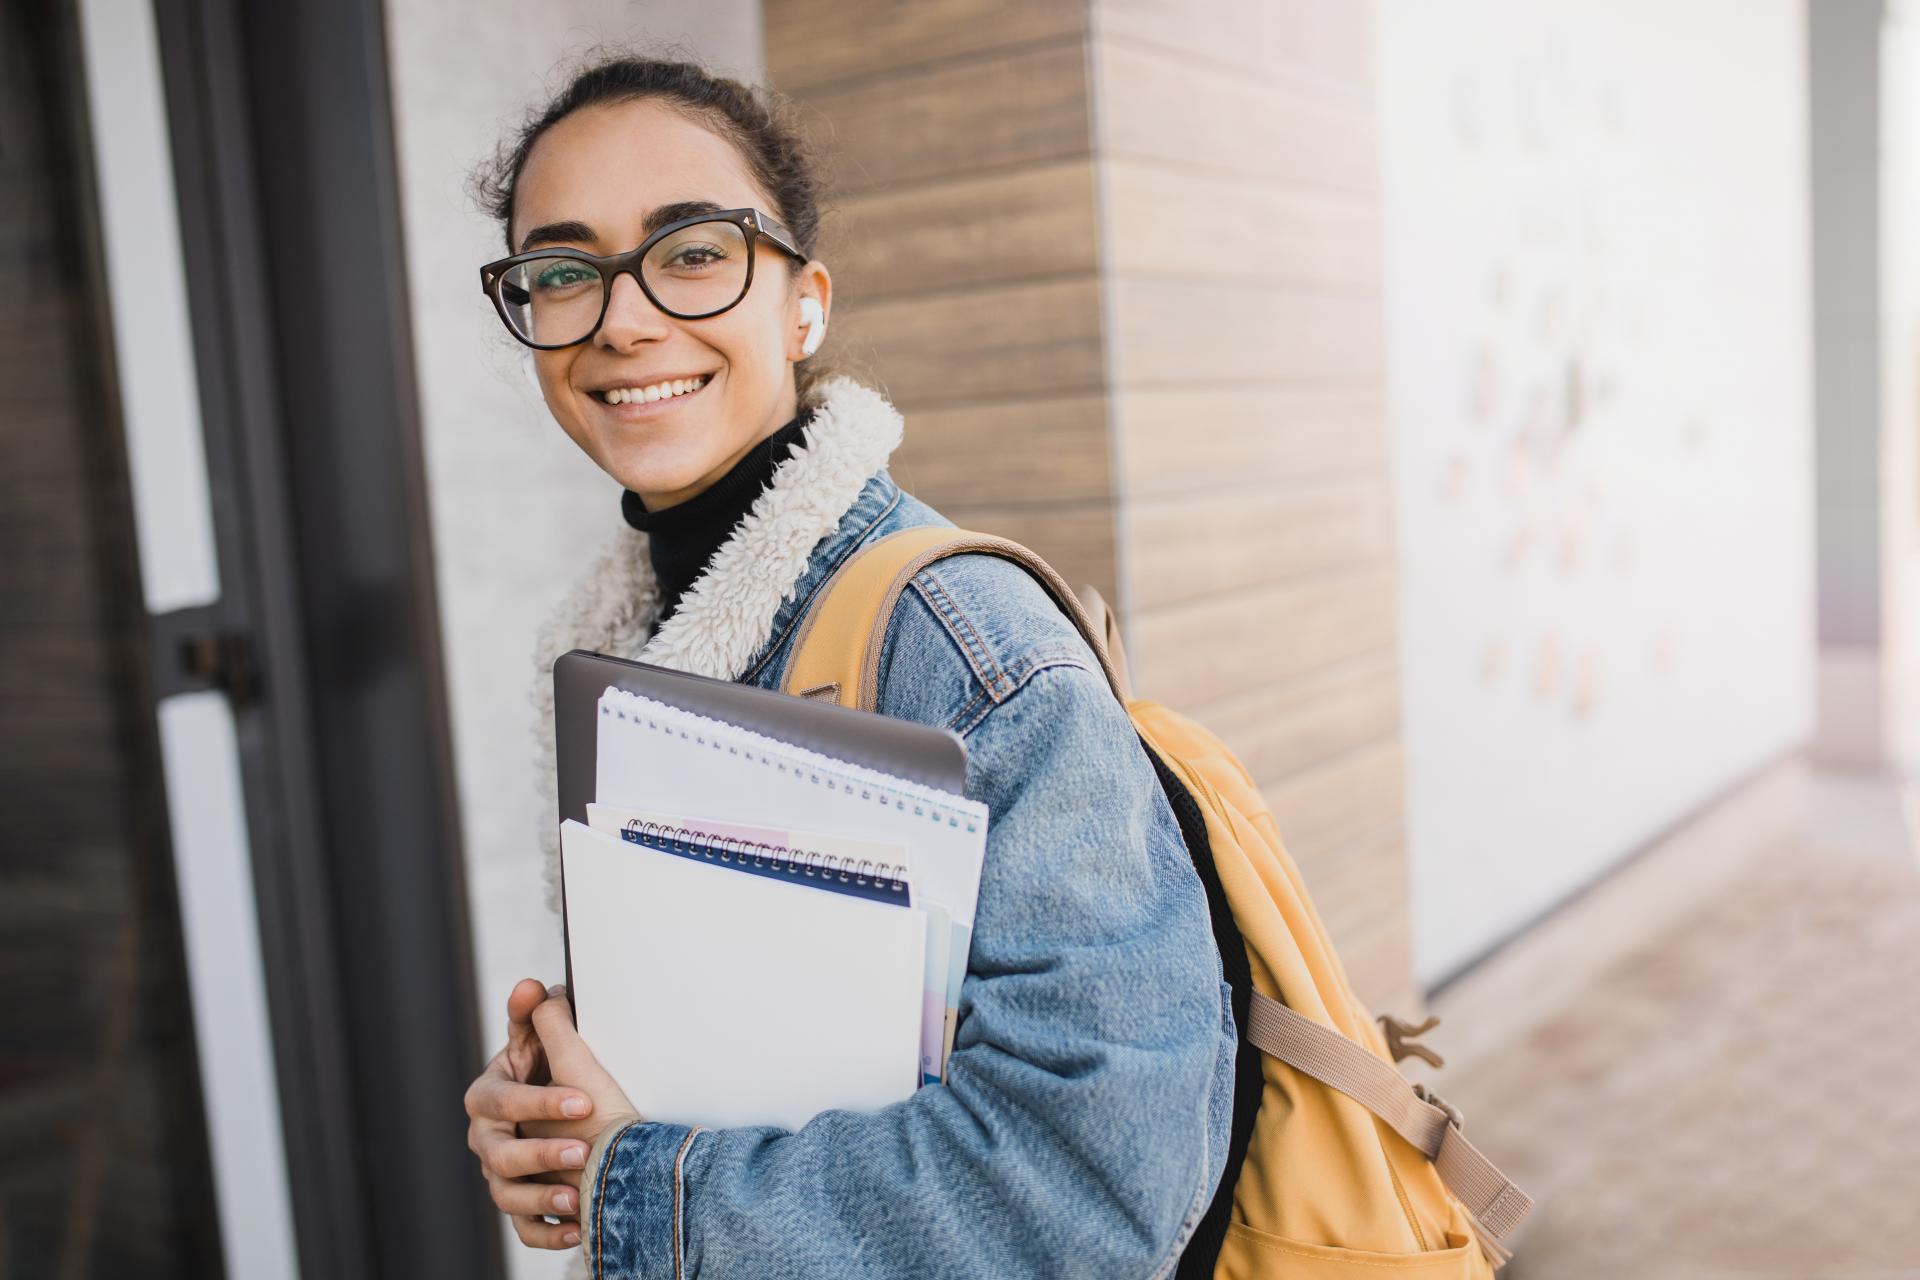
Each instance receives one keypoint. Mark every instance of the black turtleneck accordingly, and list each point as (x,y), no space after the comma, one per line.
(682,538)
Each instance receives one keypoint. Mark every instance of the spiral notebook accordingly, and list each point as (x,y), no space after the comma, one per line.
(719,850)
(735,996)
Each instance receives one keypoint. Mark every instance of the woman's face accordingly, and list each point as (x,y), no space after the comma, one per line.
(590,182)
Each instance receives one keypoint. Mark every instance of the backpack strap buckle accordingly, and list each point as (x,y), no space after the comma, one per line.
(1400,1042)
(1432,1099)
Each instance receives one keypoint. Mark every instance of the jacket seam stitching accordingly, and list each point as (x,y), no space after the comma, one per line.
(1196,1209)
(964,633)
(679,1161)
(976,707)
(600,1202)
(1022,673)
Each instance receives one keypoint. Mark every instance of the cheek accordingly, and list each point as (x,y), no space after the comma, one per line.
(552,370)
(749,342)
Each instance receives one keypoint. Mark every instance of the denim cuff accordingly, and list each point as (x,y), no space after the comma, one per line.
(632,1197)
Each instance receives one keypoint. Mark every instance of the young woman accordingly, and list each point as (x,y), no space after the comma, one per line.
(660,224)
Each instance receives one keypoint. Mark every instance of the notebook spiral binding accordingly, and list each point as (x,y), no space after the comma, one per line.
(804,862)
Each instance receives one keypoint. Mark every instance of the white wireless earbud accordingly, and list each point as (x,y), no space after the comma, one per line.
(816,319)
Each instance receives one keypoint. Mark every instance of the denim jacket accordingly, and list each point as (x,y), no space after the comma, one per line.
(1083,1125)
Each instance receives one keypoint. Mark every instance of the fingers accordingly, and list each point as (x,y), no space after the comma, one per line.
(494,1097)
(526,994)
(536,1234)
(523,1199)
(506,1157)
(567,1054)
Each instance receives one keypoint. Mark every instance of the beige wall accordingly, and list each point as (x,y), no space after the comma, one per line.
(1118,263)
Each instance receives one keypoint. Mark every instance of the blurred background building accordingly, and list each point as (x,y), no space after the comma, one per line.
(1499,419)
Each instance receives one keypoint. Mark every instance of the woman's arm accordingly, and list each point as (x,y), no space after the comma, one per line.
(1083,1124)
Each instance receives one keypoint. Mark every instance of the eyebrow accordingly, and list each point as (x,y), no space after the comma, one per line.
(575,231)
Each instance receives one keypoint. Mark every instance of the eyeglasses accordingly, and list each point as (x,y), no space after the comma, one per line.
(690,269)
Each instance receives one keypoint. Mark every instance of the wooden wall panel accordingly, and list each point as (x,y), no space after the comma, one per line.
(1170,333)
(1002,228)
(1161,105)
(1287,727)
(962,232)
(1007,341)
(1210,649)
(1027,451)
(953,118)
(1185,546)
(1188,439)
(1247,346)
(1172,222)
(810,45)
(1321,42)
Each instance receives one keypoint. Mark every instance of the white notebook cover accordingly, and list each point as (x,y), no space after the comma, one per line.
(720,998)
(657,757)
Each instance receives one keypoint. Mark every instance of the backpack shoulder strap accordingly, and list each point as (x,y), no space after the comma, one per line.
(836,657)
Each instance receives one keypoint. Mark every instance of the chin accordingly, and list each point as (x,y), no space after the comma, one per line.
(655,467)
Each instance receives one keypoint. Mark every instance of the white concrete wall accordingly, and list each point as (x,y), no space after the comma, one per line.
(515,505)
(1598,333)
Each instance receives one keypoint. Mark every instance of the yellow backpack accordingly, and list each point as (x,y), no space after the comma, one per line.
(1338,1166)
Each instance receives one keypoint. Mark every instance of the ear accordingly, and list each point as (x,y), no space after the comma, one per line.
(813,282)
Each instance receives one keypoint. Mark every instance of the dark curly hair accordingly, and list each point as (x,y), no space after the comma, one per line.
(761,125)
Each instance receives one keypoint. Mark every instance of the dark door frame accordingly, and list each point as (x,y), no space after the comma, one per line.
(327,636)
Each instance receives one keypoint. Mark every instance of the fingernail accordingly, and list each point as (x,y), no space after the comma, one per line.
(575,1107)
(574,1157)
(556,990)
(572,1237)
(563,1201)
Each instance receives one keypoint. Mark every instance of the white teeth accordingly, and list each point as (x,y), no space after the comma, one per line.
(658,391)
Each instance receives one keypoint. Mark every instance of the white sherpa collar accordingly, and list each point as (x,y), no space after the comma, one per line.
(727,615)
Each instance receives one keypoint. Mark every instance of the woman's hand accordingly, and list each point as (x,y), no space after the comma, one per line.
(536,1176)
(573,1065)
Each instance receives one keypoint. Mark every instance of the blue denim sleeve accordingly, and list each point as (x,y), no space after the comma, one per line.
(1083,1125)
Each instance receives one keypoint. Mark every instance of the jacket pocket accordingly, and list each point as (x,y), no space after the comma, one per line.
(1249,1253)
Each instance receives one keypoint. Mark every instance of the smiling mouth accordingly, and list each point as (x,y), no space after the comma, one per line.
(654,393)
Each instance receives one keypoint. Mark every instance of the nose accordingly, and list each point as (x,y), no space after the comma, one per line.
(631,316)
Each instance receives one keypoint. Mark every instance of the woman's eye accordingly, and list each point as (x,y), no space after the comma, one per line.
(696,256)
(562,276)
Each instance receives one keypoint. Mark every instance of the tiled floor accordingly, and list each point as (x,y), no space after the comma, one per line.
(1739,1095)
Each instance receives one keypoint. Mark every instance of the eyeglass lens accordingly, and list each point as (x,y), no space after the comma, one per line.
(692,272)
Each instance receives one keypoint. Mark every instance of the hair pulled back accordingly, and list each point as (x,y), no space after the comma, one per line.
(759,124)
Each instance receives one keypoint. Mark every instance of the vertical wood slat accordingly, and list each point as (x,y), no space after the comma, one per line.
(1251,448)
(952,118)
(1003,227)
(811,44)
(961,231)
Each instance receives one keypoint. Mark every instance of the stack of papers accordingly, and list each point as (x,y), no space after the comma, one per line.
(758,932)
